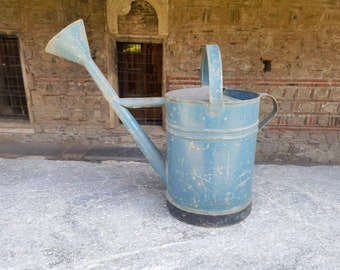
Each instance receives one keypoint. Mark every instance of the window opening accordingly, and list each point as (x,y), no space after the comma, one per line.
(140,75)
(13,103)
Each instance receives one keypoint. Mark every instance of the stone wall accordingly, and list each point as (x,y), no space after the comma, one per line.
(285,48)
(61,94)
(289,49)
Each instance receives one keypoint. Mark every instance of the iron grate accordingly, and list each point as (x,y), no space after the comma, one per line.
(13,103)
(140,75)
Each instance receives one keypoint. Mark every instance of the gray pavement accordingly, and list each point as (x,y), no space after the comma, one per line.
(58,214)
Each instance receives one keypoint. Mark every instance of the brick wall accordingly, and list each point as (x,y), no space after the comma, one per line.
(66,105)
(289,49)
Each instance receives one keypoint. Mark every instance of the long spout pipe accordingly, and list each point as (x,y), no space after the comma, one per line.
(71,44)
(151,153)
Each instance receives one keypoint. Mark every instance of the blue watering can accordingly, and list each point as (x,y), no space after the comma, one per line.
(211,136)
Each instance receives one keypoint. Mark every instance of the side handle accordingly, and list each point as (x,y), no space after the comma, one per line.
(273,112)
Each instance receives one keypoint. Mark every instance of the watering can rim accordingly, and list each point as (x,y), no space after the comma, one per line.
(200,95)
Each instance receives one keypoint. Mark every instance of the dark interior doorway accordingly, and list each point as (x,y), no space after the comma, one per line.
(140,75)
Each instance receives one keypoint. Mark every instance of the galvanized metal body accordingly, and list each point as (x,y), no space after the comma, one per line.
(210,156)
(211,136)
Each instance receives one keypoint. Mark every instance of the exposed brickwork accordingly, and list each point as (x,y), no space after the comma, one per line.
(298,146)
(141,19)
(286,48)
(301,42)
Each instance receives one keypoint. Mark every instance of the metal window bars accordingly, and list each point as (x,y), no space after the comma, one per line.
(13,103)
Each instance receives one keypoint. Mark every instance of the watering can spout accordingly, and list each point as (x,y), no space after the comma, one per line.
(71,44)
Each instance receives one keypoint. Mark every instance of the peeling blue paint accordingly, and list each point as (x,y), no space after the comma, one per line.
(211,132)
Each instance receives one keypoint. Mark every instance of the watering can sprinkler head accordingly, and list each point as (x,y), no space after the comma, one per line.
(71,43)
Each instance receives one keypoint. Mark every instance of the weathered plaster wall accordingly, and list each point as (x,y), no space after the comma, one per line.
(290,49)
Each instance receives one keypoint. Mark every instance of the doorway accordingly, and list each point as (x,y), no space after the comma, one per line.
(140,75)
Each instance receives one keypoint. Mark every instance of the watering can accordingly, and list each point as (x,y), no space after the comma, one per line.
(211,136)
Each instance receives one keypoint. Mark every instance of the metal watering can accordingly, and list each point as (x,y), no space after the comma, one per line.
(211,136)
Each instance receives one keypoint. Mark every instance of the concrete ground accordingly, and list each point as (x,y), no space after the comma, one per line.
(58,214)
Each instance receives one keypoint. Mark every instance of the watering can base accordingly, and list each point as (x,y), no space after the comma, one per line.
(209,220)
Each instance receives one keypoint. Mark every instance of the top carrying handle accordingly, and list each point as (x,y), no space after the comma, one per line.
(211,75)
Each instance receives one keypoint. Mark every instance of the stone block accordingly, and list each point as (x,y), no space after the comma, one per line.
(298,120)
(335,94)
(332,138)
(74,89)
(320,94)
(330,107)
(51,100)
(322,120)
(79,115)
(72,102)
(304,106)
(97,114)
(303,93)
(284,106)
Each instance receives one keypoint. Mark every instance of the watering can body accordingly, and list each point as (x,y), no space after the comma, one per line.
(211,136)
(210,157)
